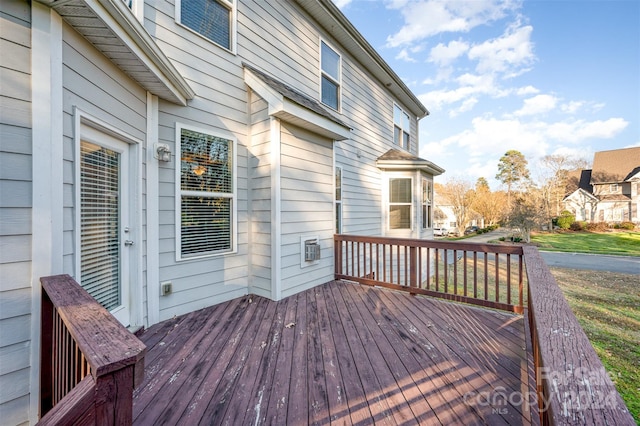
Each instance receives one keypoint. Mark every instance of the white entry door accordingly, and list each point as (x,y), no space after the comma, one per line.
(105,237)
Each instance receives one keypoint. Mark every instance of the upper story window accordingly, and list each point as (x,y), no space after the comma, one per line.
(212,19)
(206,193)
(401,127)
(613,188)
(400,202)
(330,64)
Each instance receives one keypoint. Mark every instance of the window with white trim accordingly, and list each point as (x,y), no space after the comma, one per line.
(400,203)
(338,200)
(613,188)
(401,127)
(330,66)
(206,186)
(426,203)
(212,19)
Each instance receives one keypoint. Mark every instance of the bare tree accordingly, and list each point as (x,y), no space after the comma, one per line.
(528,212)
(558,169)
(459,193)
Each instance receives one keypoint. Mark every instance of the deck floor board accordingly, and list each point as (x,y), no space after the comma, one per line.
(338,353)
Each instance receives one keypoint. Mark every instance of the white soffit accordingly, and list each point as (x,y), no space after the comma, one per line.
(111,27)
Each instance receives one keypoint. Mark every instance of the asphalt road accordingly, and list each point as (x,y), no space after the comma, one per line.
(597,262)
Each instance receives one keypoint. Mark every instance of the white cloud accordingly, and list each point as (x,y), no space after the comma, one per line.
(406,53)
(467,105)
(341,3)
(579,130)
(539,104)
(572,107)
(426,18)
(510,54)
(445,54)
(528,90)
(470,87)
(490,136)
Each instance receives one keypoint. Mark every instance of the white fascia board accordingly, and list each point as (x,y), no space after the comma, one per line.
(312,121)
(113,12)
(582,192)
(411,165)
(292,112)
(274,99)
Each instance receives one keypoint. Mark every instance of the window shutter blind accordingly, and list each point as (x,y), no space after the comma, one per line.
(208,17)
(206,199)
(99,223)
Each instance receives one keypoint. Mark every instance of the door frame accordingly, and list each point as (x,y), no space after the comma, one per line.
(84,125)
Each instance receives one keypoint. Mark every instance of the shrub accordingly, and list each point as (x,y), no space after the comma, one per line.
(565,220)
(578,226)
(597,226)
(626,225)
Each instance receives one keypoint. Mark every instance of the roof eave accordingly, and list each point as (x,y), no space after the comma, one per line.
(291,112)
(335,23)
(159,76)
(403,165)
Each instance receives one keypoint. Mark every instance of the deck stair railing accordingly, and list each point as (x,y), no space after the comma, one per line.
(90,363)
(488,275)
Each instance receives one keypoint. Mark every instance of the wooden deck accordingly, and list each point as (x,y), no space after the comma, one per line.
(339,353)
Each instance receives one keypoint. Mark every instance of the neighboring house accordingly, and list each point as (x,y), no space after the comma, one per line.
(580,199)
(171,158)
(444,217)
(610,191)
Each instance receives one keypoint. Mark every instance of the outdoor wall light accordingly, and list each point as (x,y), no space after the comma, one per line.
(163,152)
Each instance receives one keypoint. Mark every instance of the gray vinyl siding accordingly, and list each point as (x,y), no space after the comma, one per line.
(220,106)
(280,39)
(307,207)
(15,210)
(260,206)
(96,86)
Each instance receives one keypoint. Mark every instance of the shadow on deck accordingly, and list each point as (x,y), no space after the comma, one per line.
(340,352)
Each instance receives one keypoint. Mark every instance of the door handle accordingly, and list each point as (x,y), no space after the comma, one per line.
(128,243)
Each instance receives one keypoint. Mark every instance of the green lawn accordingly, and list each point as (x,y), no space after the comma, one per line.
(607,306)
(621,243)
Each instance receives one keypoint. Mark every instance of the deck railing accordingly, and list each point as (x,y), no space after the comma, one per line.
(488,275)
(573,386)
(90,363)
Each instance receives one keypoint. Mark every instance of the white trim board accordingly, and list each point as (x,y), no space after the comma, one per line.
(47,183)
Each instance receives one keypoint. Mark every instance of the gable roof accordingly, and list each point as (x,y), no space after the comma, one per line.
(579,179)
(292,106)
(395,159)
(335,23)
(615,166)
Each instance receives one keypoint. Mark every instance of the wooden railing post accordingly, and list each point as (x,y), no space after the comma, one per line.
(337,255)
(413,267)
(90,363)
(46,347)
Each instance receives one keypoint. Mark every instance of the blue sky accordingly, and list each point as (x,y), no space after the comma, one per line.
(543,77)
